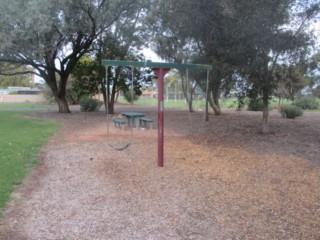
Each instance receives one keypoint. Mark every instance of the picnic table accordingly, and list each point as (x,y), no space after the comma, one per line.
(133,118)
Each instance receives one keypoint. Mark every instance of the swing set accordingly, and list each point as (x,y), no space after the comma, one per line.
(160,69)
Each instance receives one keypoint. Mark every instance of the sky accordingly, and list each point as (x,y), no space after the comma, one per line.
(151,55)
(316,28)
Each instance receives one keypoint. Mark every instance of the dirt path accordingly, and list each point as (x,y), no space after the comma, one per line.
(221,180)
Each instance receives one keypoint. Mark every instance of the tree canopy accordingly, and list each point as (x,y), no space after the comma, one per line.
(247,40)
(51,36)
(258,47)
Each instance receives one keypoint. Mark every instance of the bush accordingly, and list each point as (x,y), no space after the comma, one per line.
(291,111)
(255,105)
(316,92)
(90,105)
(309,102)
(128,96)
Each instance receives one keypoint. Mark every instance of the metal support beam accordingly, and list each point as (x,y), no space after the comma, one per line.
(160,72)
(159,65)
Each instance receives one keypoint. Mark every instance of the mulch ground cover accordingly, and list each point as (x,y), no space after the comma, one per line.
(222,179)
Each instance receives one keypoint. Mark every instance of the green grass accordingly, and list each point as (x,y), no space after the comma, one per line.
(20,143)
(147,101)
(25,105)
(225,103)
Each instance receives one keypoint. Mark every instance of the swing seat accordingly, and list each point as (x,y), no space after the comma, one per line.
(119,122)
(146,122)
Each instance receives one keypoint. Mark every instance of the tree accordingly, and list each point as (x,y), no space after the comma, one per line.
(85,79)
(52,36)
(269,42)
(313,71)
(204,32)
(125,40)
(290,80)
(245,39)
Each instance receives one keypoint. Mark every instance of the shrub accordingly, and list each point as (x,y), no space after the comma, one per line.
(128,96)
(255,105)
(291,111)
(89,105)
(309,102)
(316,92)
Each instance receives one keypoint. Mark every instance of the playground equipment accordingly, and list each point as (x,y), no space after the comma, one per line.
(160,69)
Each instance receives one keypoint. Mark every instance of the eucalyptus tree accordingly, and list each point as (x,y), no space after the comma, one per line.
(169,32)
(272,36)
(202,31)
(123,42)
(51,36)
(314,70)
(244,39)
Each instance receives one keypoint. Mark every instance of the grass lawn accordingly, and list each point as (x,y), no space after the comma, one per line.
(231,103)
(20,143)
(179,103)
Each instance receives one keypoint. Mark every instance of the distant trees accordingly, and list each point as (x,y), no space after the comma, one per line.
(12,79)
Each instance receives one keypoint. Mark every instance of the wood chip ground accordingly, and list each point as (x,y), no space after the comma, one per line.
(222,179)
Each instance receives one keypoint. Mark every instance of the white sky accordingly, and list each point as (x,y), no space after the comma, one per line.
(317,31)
(151,55)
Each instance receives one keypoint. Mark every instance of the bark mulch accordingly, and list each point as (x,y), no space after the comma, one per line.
(222,179)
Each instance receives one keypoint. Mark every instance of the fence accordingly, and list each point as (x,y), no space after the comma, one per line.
(21,98)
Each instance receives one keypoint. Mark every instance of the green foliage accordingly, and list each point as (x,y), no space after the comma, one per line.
(130,96)
(90,105)
(243,40)
(316,92)
(19,149)
(41,35)
(85,79)
(255,105)
(291,111)
(20,80)
(308,102)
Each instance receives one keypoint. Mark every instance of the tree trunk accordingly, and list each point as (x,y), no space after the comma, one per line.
(104,98)
(109,103)
(207,109)
(112,100)
(214,103)
(63,105)
(60,97)
(117,97)
(59,93)
(190,102)
(265,123)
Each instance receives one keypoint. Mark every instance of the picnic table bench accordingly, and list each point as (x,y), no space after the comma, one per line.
(133,118)
(119,122)
(146,122)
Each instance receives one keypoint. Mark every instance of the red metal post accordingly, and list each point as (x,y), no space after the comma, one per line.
(160,72)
